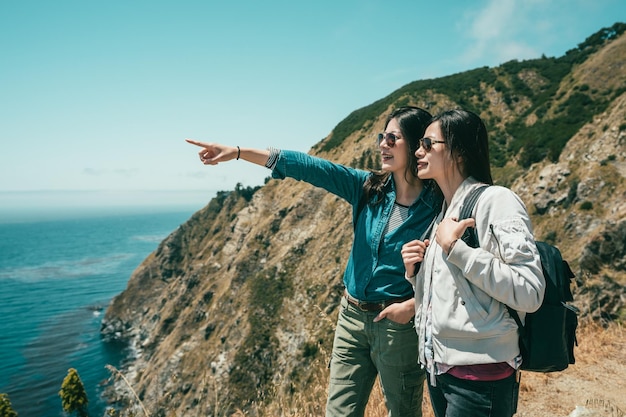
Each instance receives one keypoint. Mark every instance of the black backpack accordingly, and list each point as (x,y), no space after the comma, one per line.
(547,339)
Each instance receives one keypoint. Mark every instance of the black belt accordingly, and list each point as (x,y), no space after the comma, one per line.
(374,306)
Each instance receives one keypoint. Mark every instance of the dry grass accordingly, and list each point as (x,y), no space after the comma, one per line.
(376,405)
(117,374)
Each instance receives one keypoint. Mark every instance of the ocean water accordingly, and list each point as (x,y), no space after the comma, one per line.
(57,277)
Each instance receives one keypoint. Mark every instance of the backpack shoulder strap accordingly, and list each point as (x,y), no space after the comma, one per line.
(470,236)
(470,201)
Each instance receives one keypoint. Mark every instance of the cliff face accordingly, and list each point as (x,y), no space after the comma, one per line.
(235,309)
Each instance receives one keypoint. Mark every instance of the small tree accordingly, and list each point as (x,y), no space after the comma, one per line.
(6,410)
(73,395)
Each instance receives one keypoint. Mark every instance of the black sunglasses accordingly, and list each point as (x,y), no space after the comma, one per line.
(427,143)
(388,137)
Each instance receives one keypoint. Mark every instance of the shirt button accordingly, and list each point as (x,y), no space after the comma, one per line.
(462,302)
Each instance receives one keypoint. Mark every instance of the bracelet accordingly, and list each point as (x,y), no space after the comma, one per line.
(452,245)
(238,152)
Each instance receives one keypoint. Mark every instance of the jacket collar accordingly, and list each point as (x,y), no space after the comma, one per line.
(459,195)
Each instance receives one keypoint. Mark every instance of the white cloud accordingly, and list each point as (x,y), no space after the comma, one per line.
(493,21)
(126,173)
(495,32)
(93,172)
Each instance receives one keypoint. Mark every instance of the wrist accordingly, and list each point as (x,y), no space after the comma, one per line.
(452,245)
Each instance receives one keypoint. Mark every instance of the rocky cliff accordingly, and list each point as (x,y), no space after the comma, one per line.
(235,309)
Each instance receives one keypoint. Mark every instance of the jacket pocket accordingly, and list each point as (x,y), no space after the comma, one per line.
(511,241)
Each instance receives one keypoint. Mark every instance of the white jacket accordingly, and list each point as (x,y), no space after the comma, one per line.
(468,289)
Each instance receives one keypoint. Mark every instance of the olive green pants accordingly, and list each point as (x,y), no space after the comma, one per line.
(363,350)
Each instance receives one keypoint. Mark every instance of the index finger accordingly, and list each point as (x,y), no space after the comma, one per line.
(380,316)
(469,222)
(194,142)
(412,243)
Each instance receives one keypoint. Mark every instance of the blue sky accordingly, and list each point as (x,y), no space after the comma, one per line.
(96,97)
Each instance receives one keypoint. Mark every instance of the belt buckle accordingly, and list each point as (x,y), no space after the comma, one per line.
(361,305)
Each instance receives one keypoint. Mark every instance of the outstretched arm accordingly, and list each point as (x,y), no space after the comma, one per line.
(214,153)
(341,180)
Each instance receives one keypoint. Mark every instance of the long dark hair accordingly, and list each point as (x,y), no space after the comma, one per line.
(466,136)
(413,122)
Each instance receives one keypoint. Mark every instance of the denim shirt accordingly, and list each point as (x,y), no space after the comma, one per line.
(375,271)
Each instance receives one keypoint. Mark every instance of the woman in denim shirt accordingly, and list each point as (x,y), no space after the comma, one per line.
(375,333)
(468,342)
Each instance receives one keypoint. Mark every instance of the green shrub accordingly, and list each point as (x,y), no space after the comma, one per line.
(73,394)
(6,409)
(254,362)
(550,237)
(586,205)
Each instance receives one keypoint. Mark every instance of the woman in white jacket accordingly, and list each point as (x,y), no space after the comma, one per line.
(468,342)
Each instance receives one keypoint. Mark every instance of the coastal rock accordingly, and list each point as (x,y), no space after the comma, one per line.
(548,191)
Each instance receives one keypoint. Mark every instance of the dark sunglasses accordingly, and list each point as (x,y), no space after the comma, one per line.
(427,143)
(388,137)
